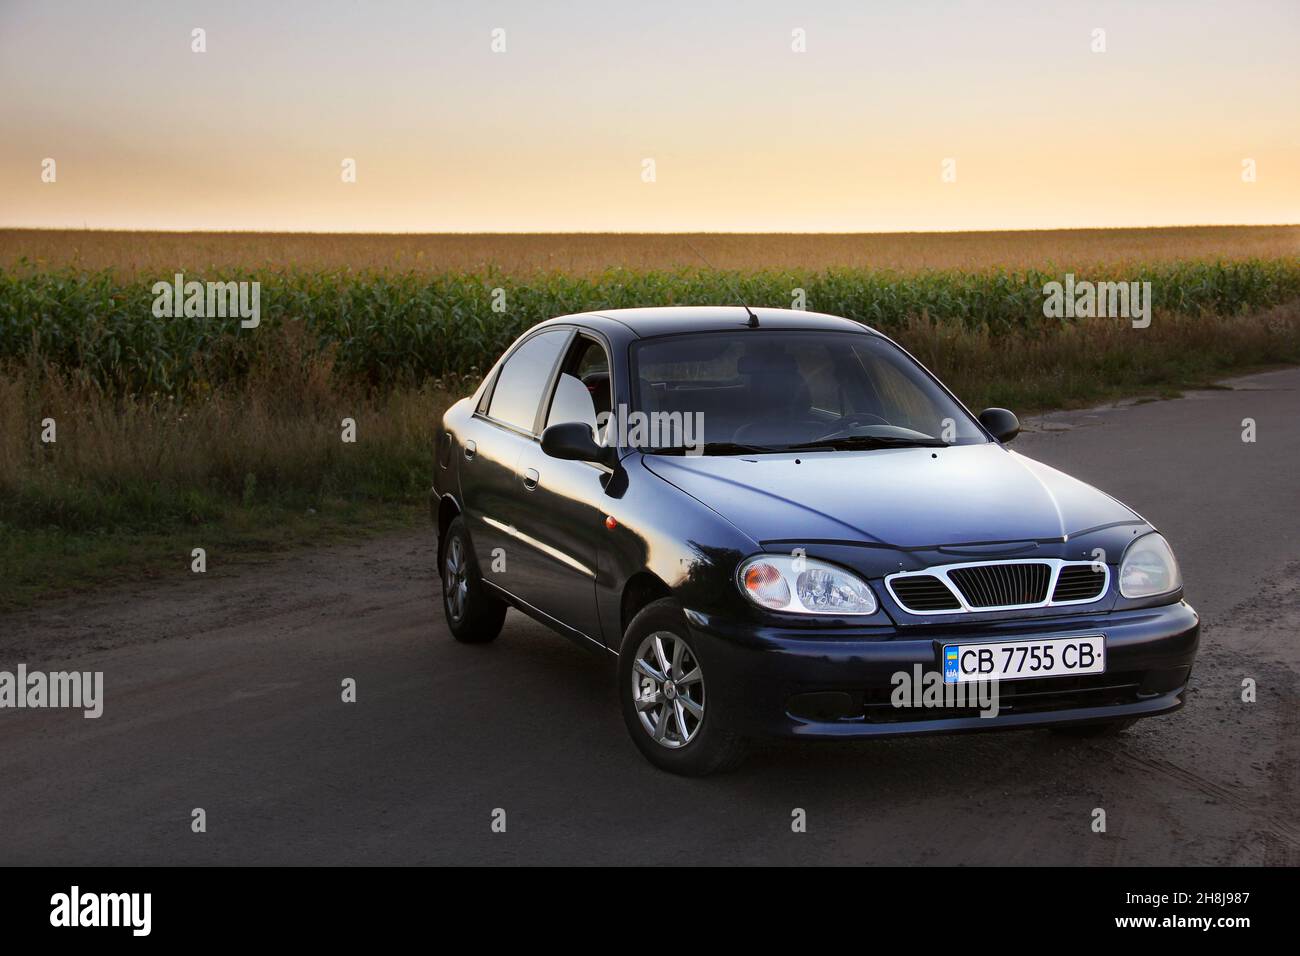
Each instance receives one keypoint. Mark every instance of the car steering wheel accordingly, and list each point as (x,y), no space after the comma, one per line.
(859,418)
(744,435)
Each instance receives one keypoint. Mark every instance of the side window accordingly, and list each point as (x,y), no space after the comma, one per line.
(590,358)
(522,380)
(482,407)
(572,402)
(583,389)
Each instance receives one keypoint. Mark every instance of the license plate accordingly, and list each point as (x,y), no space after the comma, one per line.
(1018,660)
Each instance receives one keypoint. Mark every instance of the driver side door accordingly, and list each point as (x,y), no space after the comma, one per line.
(562,521)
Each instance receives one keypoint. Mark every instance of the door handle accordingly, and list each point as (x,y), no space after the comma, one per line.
(470,449)
(530,479)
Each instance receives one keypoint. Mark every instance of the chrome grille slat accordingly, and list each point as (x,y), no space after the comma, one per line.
(1079,583)
(928,593)
(979,586)
(1003,585)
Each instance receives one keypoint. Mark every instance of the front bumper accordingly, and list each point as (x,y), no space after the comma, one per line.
(773,681)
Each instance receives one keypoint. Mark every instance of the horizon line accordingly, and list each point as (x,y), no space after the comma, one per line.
(655,232)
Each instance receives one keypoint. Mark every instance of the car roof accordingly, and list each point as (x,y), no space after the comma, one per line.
(669,320)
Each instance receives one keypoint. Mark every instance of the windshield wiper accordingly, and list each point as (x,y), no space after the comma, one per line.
(860,442)
(735,448)
(713,448)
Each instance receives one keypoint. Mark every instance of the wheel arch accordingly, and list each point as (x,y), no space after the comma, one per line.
(641,589)
(448,511)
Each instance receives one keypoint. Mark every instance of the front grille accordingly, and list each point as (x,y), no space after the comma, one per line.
(925,592)
(988,585)
(1079,582)
(1002,585)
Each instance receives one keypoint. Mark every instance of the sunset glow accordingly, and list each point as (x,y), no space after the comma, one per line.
(552,134)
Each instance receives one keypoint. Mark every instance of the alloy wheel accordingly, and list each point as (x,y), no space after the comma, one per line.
(456,580)
(668,689)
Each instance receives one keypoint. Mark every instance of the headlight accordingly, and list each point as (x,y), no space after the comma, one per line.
(1148,568)
(804,586)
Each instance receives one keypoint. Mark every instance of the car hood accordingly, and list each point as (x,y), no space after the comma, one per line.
(903,497)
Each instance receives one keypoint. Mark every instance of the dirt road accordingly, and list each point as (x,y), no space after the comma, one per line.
(223,692)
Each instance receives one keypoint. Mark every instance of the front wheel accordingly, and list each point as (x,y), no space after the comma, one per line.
(666,704)
(473,615)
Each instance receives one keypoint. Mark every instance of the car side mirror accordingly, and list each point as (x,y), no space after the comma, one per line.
(1001,424)
(575,441)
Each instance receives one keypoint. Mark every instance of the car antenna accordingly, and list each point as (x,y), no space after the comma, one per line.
(753,319)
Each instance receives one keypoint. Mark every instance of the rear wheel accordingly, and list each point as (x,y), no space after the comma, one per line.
(473,615)
(666,704)
(1110,728)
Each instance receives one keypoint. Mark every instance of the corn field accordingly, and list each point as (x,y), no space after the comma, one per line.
(384,329)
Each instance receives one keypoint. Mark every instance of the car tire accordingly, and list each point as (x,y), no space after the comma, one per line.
(473,615)
(1110,728)
(686,744)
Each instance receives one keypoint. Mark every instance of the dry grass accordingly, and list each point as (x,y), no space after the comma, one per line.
(146,463)
(161,253)
(1099,360)
(135,481)
(146,460)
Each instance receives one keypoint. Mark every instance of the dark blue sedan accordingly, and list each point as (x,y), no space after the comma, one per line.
(781,524)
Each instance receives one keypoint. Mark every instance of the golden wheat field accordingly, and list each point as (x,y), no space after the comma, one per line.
(589,253)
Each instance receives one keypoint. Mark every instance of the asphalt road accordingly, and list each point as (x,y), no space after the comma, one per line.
(223,692)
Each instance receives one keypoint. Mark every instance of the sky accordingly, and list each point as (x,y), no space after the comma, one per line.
(901,116)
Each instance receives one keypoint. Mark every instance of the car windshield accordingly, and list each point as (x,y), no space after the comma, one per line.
(773,390)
